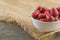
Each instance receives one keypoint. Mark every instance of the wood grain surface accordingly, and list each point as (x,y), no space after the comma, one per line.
(10,31)
(20,11)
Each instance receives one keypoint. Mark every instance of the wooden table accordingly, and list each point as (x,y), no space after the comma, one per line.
(10,31)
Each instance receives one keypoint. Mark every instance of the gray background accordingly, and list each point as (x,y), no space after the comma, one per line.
(9,31)
(57,36)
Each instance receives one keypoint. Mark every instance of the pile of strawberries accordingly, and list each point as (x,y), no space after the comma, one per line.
(47,14)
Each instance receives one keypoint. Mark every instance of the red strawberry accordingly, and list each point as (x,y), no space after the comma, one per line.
(44,20)
(52,18)
(51,12)
(54,12)
(35,13)
(49,17)
(58,10)
(47,13)
(42,9)
(41,16)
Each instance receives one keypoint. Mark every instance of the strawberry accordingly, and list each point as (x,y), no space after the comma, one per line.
(41,16)
(49,17)
(42,9)
(51,12)
(47,13)
(43,20)
(58,10)
(54,12)
(35,13)
(52,18)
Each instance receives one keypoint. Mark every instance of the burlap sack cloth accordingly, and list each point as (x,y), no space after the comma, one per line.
(19,11)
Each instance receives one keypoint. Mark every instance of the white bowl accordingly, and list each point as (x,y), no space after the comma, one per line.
(46,26)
